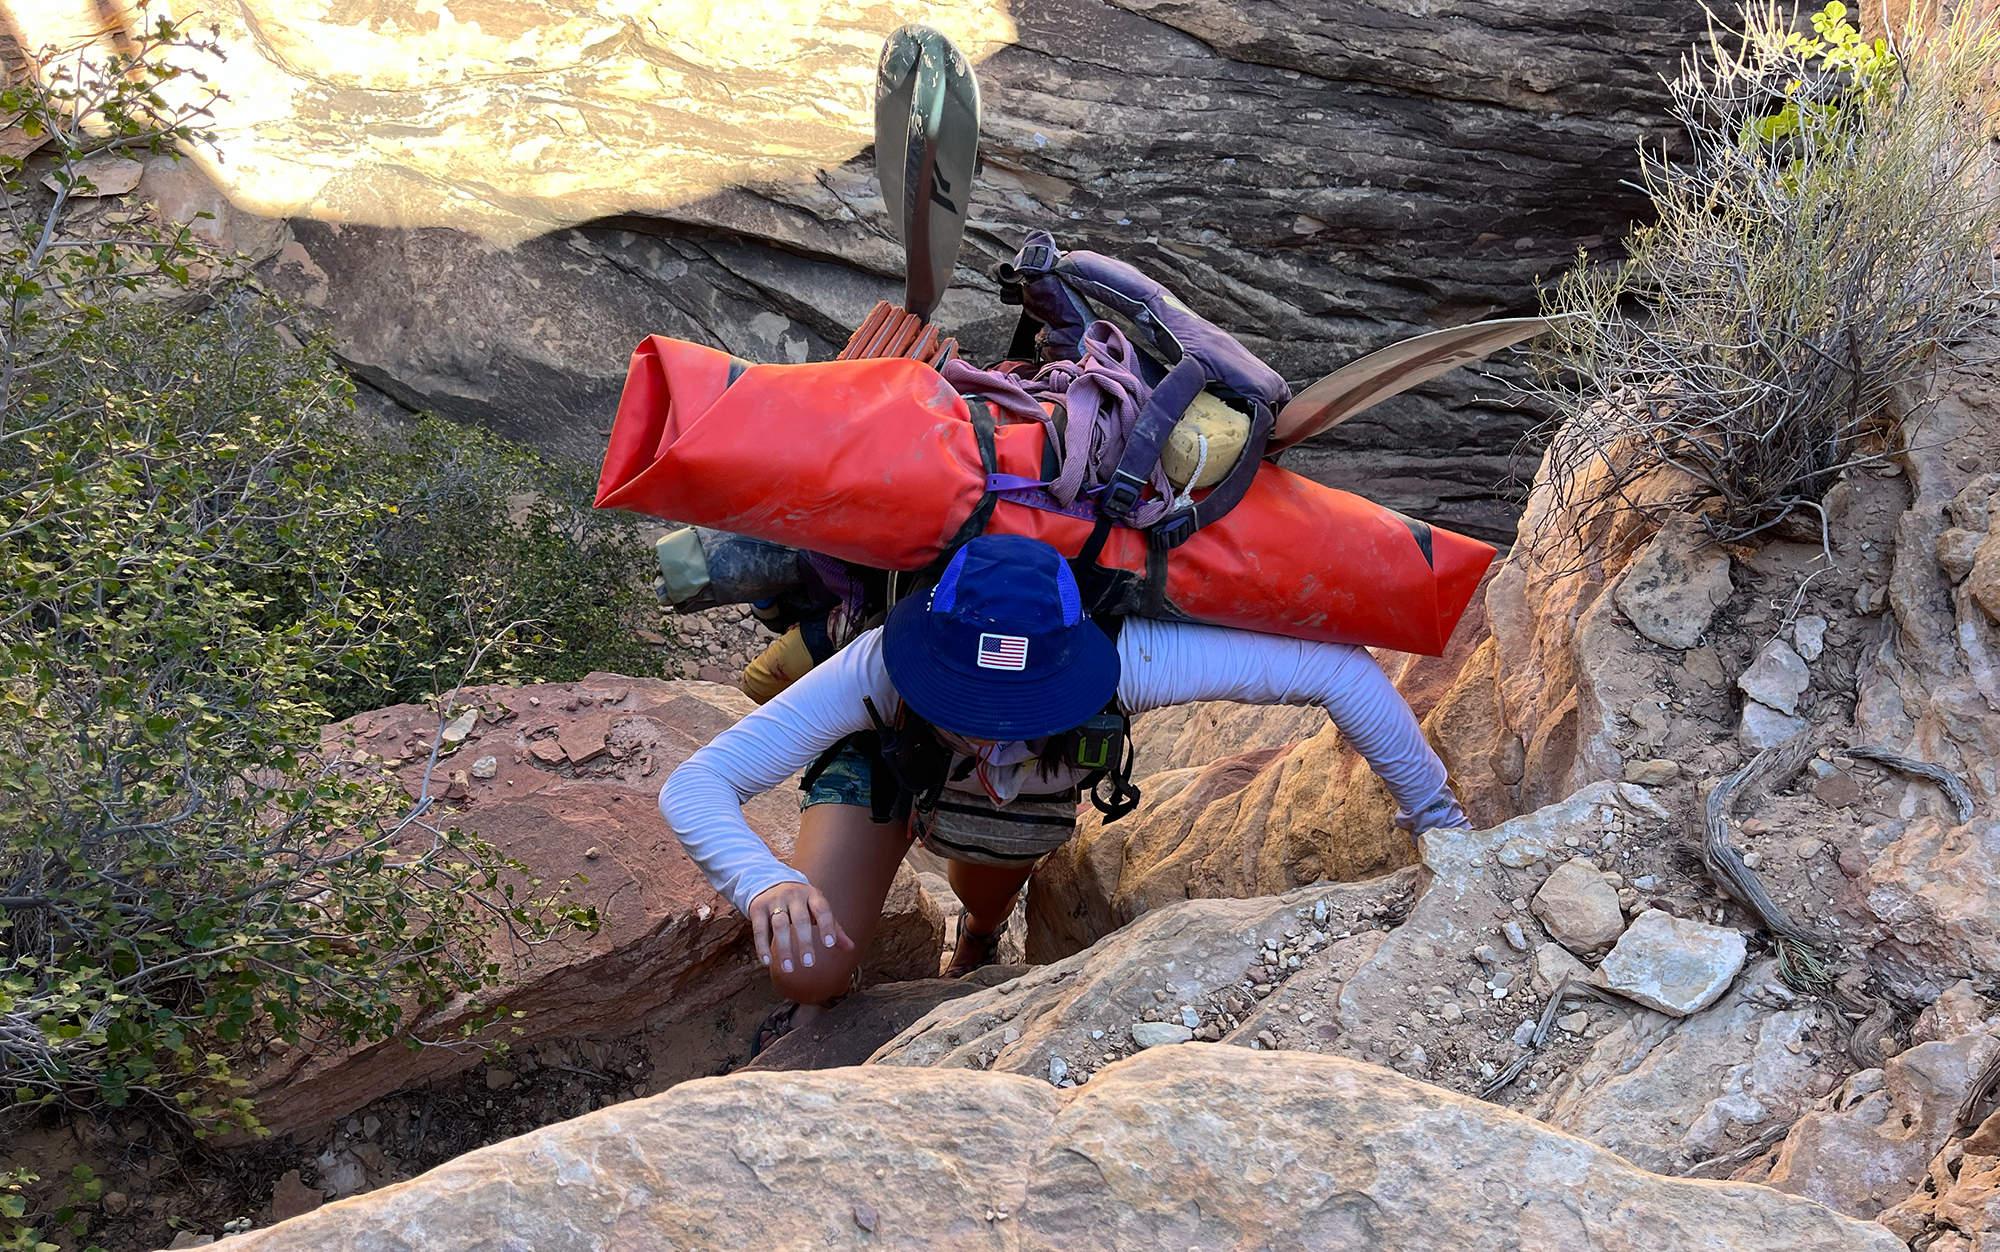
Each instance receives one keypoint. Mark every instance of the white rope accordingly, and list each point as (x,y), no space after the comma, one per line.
(1186,496)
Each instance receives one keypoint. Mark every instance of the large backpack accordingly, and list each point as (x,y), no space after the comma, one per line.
(1184,354)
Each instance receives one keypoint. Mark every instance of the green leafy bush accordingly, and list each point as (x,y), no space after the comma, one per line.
(205,557)
(1833,222)
(479,537)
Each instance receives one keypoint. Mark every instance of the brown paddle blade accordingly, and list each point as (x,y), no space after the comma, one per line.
(1392,371)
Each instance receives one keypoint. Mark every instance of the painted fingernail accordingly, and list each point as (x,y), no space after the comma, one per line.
(787,967)
(808,957)
(829,941)
(766,960)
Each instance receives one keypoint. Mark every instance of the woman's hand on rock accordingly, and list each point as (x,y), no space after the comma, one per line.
(792,920)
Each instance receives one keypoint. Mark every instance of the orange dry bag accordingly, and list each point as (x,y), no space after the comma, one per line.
(882,463)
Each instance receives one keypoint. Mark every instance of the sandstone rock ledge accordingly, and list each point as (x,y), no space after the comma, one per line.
(1180,1147)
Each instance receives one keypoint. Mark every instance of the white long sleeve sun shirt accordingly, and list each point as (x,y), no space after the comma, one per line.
(1161,663)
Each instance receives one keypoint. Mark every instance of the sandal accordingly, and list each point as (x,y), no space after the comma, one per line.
(985,948)
(780,1023)
(773,1028)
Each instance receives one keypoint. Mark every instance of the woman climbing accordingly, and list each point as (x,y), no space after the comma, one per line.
(968,720)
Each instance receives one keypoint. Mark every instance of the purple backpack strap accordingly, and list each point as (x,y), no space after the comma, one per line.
(1055,289)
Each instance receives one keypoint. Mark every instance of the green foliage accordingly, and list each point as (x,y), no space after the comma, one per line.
(205,556)
(15,1237)
(481,536)
(1858,69)
(1832,224)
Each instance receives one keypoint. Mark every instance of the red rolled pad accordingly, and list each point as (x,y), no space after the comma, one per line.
(1292,558)
(875,461)
(872,461)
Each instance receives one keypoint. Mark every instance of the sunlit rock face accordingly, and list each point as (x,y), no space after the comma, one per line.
(507,118)
(509,194)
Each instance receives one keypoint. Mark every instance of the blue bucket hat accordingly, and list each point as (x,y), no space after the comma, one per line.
(1001,648)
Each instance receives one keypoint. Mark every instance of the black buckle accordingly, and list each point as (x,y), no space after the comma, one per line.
(1173,530)
(1120,495)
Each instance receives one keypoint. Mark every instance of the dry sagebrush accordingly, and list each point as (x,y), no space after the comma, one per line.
(1832,224)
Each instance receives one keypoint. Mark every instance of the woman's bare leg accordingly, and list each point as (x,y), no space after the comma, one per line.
(986,891)
(852,860)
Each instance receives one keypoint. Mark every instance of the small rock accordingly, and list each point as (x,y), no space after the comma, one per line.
(1579,909)
(371,1126)
(1957,551)
(1869,598)
(1452,1014)
(591,854)
(1575,1023)
(116,1202)
(459,727)
(1672,590)
(1190,1018)
(1487,956)
(485,767)
(1552,962)
(1752,860)
(1155,1034)
(340,1174)
(1852,863)
(1809,634)
(1806,849)
(1837,790)
(1702,664)
(1058,1070)
(1646,882)
(1524,1034)
(866,1217)
(498,1079)
(1654,773)
(1671,964)
(1516,937)
(108,175)
(1777,677)
(1267,1041)
(548,752)
(1765,727)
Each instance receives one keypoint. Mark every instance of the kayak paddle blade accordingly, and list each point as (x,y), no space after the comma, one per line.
(1393,370)
(926,148)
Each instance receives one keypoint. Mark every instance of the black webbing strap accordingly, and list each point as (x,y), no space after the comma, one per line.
(1023,346)
(989,460)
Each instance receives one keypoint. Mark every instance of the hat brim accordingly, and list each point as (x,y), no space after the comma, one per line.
(984,705)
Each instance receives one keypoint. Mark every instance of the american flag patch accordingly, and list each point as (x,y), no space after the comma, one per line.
(1003,652)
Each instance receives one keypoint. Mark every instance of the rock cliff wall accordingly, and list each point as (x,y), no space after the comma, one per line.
(491,208)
